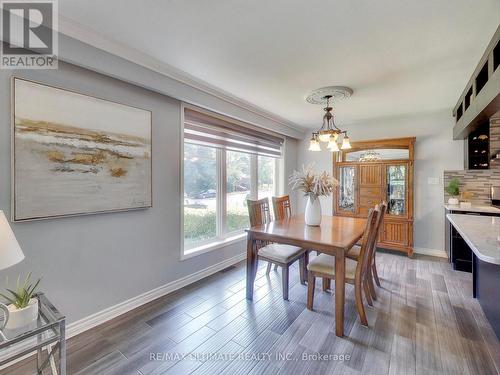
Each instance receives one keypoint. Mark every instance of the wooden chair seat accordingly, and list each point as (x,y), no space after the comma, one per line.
(280,253)
(325,265)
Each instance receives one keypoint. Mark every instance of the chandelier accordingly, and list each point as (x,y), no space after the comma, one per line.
(369,155)
(329,132)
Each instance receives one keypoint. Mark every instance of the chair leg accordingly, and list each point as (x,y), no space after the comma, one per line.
(367,293)
(359,303)
(284,280)
(371,287)
(375,273)
(275,267)
(302,270)
(326,284)
(311,281)
(268,269)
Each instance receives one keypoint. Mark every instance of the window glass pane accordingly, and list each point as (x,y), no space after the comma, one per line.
(347,189)
(266,177)
(238,190)
(396,189)
(200,191)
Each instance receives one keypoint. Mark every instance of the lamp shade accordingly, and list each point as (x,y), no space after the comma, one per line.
(10,251)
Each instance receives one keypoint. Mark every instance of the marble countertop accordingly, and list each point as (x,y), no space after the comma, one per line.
(474,208)
(482,234)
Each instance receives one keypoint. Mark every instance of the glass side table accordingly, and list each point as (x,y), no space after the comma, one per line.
(46,333)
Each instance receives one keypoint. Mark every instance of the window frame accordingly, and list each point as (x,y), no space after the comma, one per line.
(222,238)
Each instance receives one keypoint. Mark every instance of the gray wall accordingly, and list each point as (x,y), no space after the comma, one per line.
(435,151)
(89,263)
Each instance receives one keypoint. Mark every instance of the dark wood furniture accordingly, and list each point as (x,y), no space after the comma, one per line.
(477,150)
(356,272)
(355,252)
(376,181)
(480,98)
(335,236)
(282,255)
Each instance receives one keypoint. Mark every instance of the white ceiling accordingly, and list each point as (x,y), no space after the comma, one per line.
(399,56)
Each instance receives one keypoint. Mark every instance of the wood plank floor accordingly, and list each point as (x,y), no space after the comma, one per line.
(423,322)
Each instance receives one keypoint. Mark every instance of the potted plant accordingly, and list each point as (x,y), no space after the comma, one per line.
(313,185)
(453,189)
(22,304)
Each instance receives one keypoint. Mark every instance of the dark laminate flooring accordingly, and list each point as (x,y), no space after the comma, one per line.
(424,322)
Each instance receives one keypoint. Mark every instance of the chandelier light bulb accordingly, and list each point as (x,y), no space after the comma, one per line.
(314,143)
(346,145)
(332,145)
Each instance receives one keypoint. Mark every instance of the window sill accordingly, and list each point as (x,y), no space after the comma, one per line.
(187,254)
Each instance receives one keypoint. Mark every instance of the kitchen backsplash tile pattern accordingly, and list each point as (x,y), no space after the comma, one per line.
(479,182)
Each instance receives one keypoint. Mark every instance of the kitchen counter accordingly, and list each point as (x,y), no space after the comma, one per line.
(482,234)
(475,240)
(474,208)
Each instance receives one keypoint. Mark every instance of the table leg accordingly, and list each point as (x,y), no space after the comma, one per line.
(39,351)
(62,348)
(251,266)
(339,293)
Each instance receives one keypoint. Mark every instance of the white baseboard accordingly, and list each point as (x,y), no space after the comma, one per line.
(431,252)
(112,312)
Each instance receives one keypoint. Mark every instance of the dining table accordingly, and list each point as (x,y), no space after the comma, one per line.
(335,236)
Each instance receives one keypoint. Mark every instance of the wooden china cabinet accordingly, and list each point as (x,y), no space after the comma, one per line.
(375,171)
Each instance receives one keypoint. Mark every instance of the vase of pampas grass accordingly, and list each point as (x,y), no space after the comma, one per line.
(313,185)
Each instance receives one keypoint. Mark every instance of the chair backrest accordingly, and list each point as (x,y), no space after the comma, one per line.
(258,211)
(368,241)
(383,210)
(281,207)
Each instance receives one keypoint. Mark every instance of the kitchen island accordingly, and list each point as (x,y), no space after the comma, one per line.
(482,235)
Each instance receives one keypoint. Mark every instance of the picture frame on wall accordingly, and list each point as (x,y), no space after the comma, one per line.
(76,154)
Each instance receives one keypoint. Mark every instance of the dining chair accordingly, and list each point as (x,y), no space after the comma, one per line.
(323,266)
(282,209)
(355,251)
(278,254)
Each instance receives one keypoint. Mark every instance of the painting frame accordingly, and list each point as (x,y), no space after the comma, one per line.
(14,216)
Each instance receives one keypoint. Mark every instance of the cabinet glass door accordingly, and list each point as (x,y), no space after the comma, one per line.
(347,189)
(396,189)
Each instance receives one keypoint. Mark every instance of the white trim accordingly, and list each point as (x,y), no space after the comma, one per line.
(431,252)
(214,245)
(121,308)
(85,34)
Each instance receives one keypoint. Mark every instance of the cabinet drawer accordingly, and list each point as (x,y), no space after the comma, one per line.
(370,192)
(369,201)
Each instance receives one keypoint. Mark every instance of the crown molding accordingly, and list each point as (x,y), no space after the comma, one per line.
(88,36)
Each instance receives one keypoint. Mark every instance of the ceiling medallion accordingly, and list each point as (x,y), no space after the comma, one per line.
(329,132)
(335,92)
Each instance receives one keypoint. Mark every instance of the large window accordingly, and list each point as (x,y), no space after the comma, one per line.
(217,184)
(200,194)
(226,162)
(266,177)
(238,188)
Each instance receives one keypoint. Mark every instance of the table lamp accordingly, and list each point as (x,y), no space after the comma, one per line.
(10,254)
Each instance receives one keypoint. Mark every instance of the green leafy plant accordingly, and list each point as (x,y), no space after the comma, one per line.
(453,187)
(23,293)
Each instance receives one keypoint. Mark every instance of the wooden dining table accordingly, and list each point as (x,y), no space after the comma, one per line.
(335,236)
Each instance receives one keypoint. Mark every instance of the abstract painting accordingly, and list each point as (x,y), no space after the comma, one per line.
(74,154)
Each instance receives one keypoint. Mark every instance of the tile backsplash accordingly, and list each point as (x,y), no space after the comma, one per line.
(479,182)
